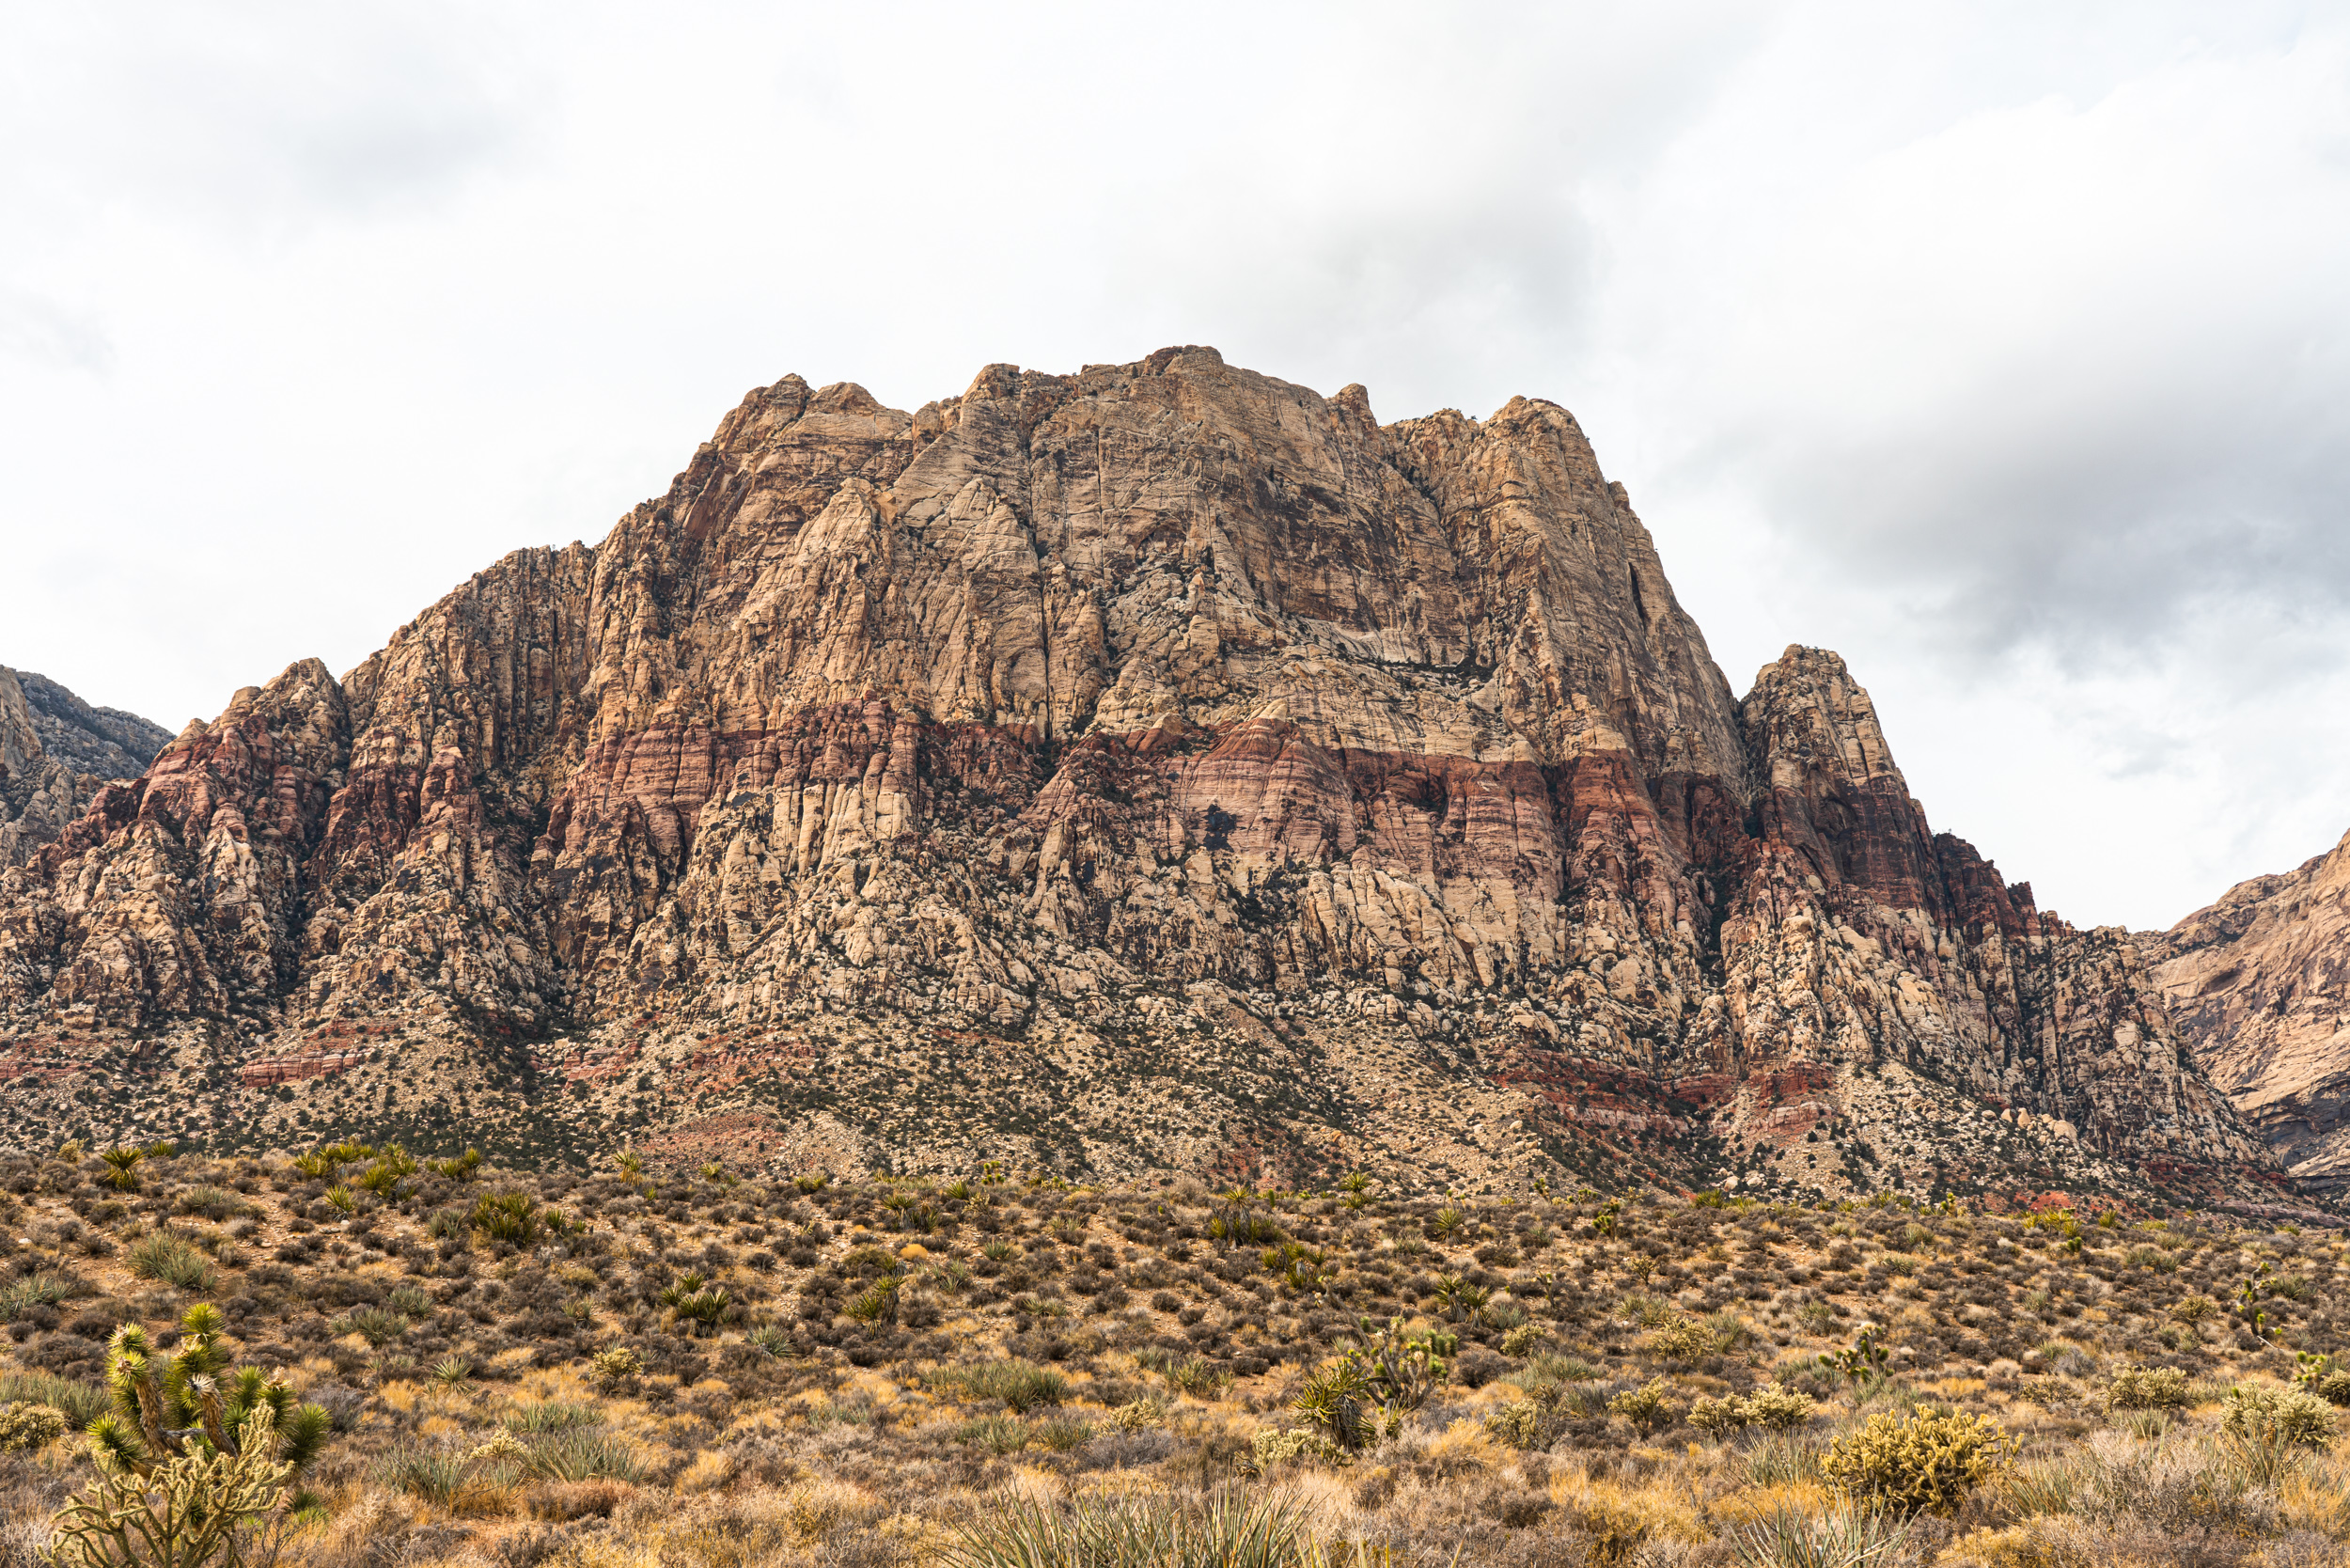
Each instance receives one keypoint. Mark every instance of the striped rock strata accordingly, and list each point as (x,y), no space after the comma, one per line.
(1162,766)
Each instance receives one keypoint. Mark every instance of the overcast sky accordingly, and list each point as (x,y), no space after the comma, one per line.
(2003,348)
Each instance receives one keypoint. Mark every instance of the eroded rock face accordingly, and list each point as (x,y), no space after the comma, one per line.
(2260,984)
(1162,765)
(55,750)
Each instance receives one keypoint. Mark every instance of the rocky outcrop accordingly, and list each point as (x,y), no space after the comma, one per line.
(1159,766)
(2259,983)
(55,751)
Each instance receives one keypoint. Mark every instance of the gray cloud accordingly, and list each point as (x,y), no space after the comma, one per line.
(2001,346)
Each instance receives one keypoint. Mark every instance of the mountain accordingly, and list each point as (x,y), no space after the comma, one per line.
(1159,767)
(55,751)
(2258,982)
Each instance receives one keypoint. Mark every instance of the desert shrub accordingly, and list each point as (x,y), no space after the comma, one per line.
(2148,1388)
(1020,1385)
(584,1454)
(1060,1433)
(1143,1415)
(1927,1461)
(506,1217)
(374,1325)
(1645,1406)
(29,1427)
(1769,1406)
(552,1416)
(997,1435)
(1683,1339)
(1517,1424)
(2267,1429)
(436,1477)
(20,1296)
(1777,1409)
(612,1368)
(1274,1447)
(1226,1530)
(79,1403)
(173,1260)
(212,1202)
(1845,1537)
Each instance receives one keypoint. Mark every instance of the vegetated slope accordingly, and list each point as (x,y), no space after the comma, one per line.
(2258,982)
(55,751)
(1163,767)
(860,1371)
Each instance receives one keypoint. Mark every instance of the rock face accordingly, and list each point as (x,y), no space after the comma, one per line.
(55,751)
(2260,984)
(1159,766)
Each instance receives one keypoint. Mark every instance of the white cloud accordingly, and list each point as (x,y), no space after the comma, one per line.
(1999,347)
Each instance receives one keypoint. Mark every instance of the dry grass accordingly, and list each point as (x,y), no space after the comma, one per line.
(1107,1356)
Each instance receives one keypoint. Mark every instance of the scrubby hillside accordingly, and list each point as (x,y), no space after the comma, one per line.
(686,1369)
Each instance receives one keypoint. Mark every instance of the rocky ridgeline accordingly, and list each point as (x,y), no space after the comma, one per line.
(55,751)
(1159,767)
(2257,984)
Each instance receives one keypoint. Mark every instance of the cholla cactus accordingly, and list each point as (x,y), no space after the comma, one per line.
(181,1407)
(180,1513)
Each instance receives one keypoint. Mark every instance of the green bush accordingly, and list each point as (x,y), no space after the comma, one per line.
(1927,1461)
(29,1428)
(2148,1388)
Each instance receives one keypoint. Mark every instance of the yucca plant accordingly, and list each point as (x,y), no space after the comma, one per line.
(124,1176)
(507,1216)
(460,1168)
(173,1407)
(173,1260)
(33,1290)
(585,1455)
(1229,1529)
(697,1305)
(1839,1538)
(374,1325)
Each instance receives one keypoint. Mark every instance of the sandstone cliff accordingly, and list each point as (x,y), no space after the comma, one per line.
(1159,766)
(55,751)
(2260,984)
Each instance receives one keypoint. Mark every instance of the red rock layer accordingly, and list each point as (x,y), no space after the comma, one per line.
(1160,763)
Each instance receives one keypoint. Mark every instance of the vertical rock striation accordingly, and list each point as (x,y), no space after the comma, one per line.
(2260,983)
(55,751)
(1161,765)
